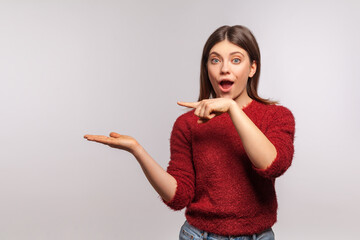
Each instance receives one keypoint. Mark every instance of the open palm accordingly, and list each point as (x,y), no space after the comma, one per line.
(115,140)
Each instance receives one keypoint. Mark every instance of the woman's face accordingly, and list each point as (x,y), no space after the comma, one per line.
(229,68)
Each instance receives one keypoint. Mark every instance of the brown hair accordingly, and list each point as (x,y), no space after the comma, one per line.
(242,37)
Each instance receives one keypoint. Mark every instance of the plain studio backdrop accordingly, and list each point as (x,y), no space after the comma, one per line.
(69,68)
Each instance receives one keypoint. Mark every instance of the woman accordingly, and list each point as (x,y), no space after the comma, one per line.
(227,151)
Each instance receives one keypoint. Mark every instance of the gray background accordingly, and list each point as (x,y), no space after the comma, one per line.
(68,68)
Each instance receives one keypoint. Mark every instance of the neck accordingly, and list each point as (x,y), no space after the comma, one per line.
(243,100)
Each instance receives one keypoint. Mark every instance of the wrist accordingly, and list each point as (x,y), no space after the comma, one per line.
(135,148)
(233,106)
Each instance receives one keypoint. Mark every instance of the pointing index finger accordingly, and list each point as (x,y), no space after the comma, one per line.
(188,104)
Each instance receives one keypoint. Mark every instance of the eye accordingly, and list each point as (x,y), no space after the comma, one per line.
(214,60)
(236,60)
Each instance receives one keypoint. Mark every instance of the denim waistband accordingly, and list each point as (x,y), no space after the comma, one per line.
(192,233)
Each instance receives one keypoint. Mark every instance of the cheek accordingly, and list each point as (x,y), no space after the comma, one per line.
(242,73)
(211,75)
(210,71)
(213,83)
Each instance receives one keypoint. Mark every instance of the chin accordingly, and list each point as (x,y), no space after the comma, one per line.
(229,96)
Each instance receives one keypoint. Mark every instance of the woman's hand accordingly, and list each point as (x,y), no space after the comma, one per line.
(115,141)
(163,182)
(209,108)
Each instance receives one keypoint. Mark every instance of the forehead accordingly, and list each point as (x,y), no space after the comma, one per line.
(225,48)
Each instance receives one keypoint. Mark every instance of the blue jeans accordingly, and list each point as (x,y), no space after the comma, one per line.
(189,232)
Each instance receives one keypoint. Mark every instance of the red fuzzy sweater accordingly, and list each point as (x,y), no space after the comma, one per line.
(222,191)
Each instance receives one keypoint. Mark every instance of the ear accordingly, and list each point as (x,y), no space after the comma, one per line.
(253,69)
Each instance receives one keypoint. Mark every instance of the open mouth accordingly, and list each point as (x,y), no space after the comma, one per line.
(226,84)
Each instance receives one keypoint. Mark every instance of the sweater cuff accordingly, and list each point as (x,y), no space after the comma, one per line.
(273,171)
(180,198)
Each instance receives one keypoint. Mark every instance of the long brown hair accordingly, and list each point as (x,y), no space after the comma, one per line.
(242,37)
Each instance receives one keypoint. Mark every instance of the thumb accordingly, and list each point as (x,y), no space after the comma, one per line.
(114,135)
(189,104)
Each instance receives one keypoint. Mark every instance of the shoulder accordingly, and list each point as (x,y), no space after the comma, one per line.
(272,109)
(267,115)
(186,118)
(182,129)
(279,111)
(185,121)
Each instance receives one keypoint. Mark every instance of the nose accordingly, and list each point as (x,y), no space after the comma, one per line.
(225,68)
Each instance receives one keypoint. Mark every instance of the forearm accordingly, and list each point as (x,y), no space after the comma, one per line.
(164,184)
(259,149)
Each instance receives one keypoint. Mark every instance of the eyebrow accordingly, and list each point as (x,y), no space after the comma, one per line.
(230,53)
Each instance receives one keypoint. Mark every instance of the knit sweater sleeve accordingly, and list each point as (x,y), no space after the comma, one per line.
(181,165)
(280,132)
